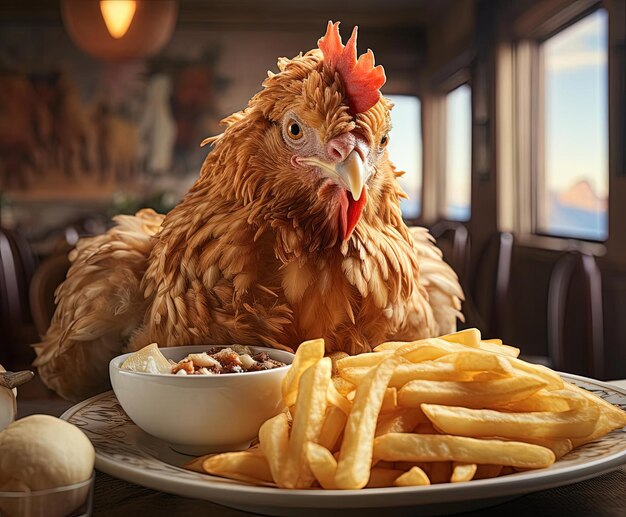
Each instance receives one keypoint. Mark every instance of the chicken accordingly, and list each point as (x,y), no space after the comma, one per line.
(292,231)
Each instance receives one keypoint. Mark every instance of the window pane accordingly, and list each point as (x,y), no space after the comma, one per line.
(458,154)
(405,150)
(572,197)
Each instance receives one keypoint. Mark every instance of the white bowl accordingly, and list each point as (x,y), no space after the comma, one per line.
(198,414)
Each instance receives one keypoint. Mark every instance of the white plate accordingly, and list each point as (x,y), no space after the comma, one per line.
(126,452)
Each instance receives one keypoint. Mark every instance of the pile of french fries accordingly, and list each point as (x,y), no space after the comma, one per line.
(448,409)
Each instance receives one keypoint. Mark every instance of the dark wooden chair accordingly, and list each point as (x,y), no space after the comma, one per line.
(575,315)
(454,241)
(16,268)
(9,297)
(48,276)
(490,289)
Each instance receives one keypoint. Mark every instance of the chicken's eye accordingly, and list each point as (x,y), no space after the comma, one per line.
(384,141)
(294,130)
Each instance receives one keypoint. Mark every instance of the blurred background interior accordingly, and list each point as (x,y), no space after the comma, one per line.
(509,121)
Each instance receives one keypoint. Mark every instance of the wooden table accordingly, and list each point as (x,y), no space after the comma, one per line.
(603,496)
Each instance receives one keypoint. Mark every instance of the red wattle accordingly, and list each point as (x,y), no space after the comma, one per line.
(351,211)
(343,212)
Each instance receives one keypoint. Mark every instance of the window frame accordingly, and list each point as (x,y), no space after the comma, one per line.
(539,173)
(414,221)
(520,142)
(442,205)
(442,87)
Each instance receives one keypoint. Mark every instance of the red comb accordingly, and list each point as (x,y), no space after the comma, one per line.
(361,79)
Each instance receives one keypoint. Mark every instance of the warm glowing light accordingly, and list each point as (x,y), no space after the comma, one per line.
(118,15)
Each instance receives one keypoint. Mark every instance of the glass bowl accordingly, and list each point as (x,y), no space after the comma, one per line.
(66,501)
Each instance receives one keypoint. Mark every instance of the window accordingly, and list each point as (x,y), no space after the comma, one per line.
(405,150)
(458,174)
(572,184)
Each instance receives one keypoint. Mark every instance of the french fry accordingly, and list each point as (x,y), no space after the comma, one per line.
(615,415)
(468,337)
(428,370)
(483,394)
(543,400)
(369,359)
(610,417)
(307,424)
(274,439)
(423,447)
(308,353)
(414,477)
(390,401)
(355,458)
(338,400)
(242,466)
(490,345)
(382,477)
(420,352)
(401,420)
(392,345)
(489,376)
(486,422)
(429,349)
(472,338)
(195,465)
(478,361)
(559,446)
(322,463)
(463,472)
(604,425)
(551,377)
(333,426)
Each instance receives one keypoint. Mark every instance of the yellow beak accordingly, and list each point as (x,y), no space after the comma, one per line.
(353,173)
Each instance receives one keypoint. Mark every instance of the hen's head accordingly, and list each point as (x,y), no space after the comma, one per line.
(317,134)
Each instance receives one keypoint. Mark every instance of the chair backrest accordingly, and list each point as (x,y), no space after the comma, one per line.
(490,289)
(48,276)
(16,264)
(9,299)
(25,253)
(454,241)
(575,315)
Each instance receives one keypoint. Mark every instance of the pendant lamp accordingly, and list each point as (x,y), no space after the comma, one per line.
(117,30)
